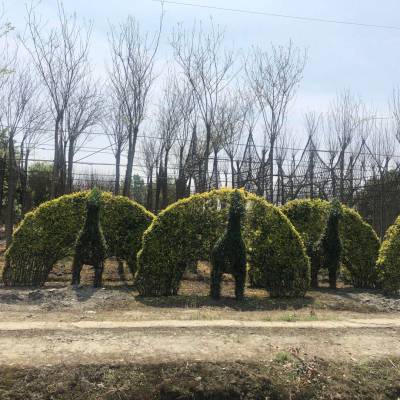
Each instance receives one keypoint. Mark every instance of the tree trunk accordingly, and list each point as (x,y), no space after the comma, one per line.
(11,191)
(271,172)
(70,165)
(204,172)
(341,182)
(3,166)
(312,174)
(164,186)
(133,132)
(232,172)
(63,167)
(117,170)
(180,183)
(149,198)
(55,174)
(24,184)
(158,186)
(215,169)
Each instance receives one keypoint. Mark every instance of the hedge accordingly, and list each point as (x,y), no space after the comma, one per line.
(186,232)
(48,234)
(360,242)
(389,259)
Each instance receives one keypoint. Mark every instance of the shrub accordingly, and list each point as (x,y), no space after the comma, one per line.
(360,242)
(48,234)
(187,231)
(389,259)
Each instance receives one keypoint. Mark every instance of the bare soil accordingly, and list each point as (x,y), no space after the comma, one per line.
(68,342)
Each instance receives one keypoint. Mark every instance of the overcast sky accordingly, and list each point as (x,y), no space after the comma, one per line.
(362,59)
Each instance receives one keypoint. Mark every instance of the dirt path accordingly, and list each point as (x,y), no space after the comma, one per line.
(33,343)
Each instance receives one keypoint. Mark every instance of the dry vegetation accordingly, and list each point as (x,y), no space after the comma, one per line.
(285,377)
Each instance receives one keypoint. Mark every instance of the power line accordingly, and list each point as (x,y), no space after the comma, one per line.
(286,16)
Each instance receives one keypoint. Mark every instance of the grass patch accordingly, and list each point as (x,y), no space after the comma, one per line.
(292,317)
(283,357)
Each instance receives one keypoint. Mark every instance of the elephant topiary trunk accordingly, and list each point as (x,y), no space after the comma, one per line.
(229,253)
(330,244)
(90,247)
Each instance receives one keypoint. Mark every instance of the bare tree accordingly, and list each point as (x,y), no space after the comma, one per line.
(235,111)
(34,119)
(217,141)
(151,152)
(281,157)
(132,75)
(381,147)
(16,96)
(84,111)
(344,120)
(313,123)
(169,121)
(207,66)
(60,55)
(114,125)
(185,138)
(394,106)
(274,77)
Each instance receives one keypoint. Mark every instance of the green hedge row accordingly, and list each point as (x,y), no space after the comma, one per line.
(360,242)
(187,230)
(48,234)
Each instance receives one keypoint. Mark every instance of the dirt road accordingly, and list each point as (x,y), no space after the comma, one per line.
(35,343)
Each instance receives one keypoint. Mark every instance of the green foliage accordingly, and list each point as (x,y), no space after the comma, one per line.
(229,253)
(48,234)
(90,247)
(187,231)
(389,259)
(330,244)
(359,241)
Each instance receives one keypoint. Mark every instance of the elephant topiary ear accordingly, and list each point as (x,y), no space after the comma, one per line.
(48,234)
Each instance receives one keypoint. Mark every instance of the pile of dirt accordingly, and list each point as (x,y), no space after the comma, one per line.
(286,377)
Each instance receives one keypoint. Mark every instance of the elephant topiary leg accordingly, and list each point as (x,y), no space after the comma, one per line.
(216,276)
(121,272)
(240,279)
(98,274)
(314,276)
(76,271)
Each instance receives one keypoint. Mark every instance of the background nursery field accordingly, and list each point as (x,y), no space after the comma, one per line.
(199,200)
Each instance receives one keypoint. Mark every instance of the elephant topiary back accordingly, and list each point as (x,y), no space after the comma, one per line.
(359,241)
(187,231)
(48,234)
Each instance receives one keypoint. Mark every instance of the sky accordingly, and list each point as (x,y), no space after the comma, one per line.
(364,60)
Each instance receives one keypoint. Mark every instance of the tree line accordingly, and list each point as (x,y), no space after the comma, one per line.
(208,117)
